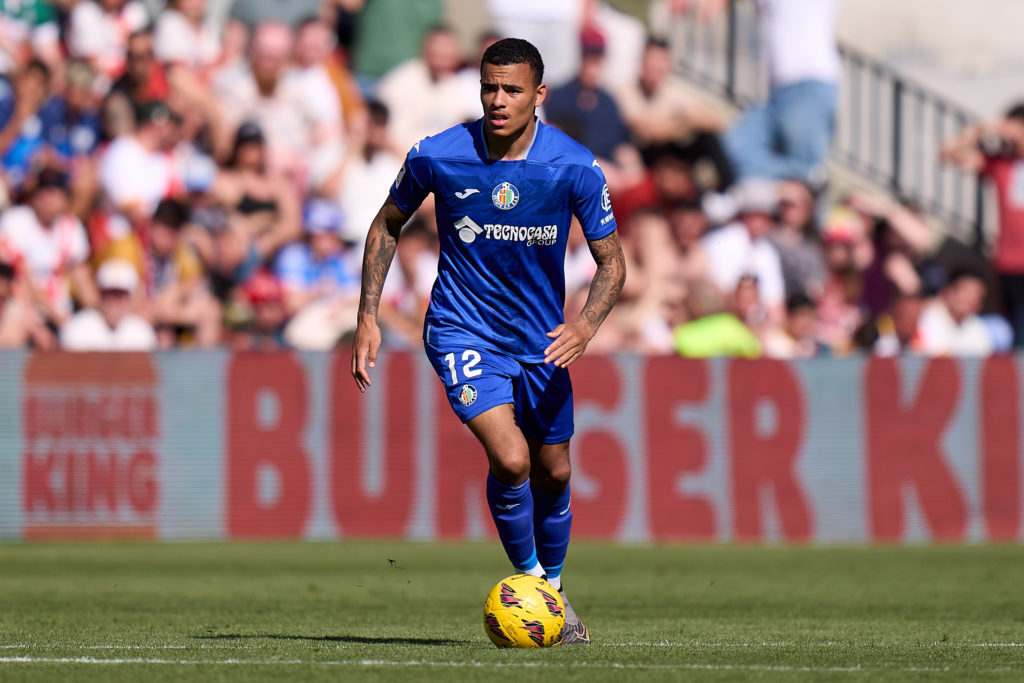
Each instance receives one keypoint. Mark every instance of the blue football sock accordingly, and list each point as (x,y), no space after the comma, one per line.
(552,521)
(512,510)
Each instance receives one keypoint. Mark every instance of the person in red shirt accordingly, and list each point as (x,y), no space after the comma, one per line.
(995,150)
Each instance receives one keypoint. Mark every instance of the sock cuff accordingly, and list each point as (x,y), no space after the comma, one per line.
(493,481)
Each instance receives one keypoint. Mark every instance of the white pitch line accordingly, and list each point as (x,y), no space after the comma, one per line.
(201,646)
(480,665)
(998,644)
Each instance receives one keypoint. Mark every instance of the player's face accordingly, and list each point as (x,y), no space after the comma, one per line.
(509,98)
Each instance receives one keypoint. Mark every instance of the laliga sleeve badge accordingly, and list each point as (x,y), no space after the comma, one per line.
(467,396)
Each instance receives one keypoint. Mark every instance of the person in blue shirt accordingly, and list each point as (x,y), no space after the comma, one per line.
(506,188)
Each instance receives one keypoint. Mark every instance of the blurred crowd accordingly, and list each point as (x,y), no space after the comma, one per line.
(202,173)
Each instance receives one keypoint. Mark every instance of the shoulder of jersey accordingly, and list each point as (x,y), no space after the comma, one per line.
(456,141)
(559,147)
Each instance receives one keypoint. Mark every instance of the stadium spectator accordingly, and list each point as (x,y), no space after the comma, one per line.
(895,331)
(75,131)
(713,330)
(111,326)
(660,108)
(19,326)
(789,135)
(136,171)
(367,168)
(589,114)
(796,238)
(795,339)
(263,293)
(303,132)
(29,28)
(320,279)
(145,78)
(184,36)
(181,305)
(847,255)
(423,94)
(995,150)
(27,113)
(624,36)
(320,69)
(264,209)
(667,181)
(48,249)
(98,32)
(909,255)
(741,249)
(950,324)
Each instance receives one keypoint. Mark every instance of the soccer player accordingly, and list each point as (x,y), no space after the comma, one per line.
(506,188)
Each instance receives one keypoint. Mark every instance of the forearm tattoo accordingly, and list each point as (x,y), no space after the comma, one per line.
(608,280)
(381,242)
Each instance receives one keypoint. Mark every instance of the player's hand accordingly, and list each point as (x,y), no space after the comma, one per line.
(364,351)
(571,341)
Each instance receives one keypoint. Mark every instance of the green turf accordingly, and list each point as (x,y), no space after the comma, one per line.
(403,611)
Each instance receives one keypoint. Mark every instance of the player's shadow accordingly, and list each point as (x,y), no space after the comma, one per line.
(354,640)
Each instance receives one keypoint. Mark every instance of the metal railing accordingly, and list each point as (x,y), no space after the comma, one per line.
(889,129)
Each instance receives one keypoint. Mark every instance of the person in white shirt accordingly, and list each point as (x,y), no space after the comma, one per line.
(302,120)
(789,135)
(741,249)
(48,248)
(365,170)
(138,170)
(112,326)
(98,31)
(950,325)
(431,81)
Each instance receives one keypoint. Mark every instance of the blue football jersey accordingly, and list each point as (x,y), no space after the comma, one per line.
(503,228)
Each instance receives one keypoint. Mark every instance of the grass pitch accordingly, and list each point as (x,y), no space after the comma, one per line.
(405,611)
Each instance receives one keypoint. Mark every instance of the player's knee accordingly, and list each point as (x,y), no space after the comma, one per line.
(554,478)
(510,467)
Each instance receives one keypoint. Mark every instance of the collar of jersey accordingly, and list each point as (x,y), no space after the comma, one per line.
(526,155)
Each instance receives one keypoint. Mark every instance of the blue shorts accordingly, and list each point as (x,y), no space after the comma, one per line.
(478,379)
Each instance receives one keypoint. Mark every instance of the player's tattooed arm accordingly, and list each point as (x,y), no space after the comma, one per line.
(381,242)
(571,339)
(608,280)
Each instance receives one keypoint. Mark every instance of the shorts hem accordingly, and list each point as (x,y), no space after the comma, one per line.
(548,440)
(483,408)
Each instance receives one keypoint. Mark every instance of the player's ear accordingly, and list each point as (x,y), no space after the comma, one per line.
(540,95)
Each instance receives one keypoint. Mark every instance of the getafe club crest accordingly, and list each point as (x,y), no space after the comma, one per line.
(505,196)
(467,396)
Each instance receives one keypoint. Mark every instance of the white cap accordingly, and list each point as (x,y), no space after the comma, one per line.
(757,195)
(117,274)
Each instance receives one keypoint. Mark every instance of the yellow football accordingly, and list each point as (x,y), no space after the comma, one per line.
(524,611)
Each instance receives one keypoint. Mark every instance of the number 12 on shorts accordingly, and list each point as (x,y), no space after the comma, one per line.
(469,359)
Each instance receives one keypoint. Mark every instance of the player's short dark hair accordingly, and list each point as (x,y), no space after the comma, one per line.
(6,271)
(509,51)
(1016,112)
